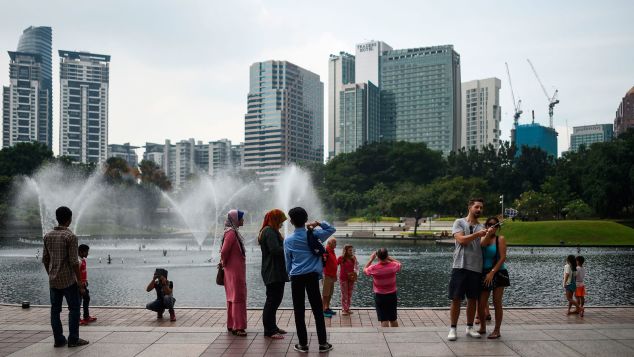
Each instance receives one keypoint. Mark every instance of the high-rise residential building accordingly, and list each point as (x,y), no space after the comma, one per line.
(481,113)
(340,71)
(39,40)
(368,63)
(586,135)
(420,96)
(625,114)
(358,118)
(535,135)
(224,157)
(84,82)
(126,152)
(284,120)
(26,102)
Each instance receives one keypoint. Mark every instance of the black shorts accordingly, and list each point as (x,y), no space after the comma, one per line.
(464,282)
(500,279)
(386,306)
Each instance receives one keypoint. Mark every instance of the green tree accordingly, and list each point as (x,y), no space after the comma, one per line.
(23,158)
(578,209)
(535,206)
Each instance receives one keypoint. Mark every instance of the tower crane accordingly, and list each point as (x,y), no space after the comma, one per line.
(517,105)
(552,100)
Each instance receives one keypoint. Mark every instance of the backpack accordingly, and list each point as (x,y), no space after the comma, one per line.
(315,245)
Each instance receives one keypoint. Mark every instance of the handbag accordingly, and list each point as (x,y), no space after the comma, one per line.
(353,276)
(220,277)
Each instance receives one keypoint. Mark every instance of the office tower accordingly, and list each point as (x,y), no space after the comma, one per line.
(368,63)
(84,81)
(125,152)
(358,117)
(586,135)
(420,96)
(25,102)
(340,72)
(625,114)
(39,40)
(284,120)
(535,135)
(481,113)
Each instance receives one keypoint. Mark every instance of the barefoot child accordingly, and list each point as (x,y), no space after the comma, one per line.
(570,271)
(82,250)
(580,292)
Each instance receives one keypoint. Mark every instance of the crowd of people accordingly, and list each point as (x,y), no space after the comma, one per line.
(304,258)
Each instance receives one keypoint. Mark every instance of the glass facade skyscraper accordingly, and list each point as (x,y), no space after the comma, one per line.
(589,134)
(285,119)
(358,116)
(39,40)
(421,96)
(340,71)
(84,83)
(535,135)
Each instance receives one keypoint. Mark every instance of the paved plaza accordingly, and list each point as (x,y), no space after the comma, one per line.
(201,332)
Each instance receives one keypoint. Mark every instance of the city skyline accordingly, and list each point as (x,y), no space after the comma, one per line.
(193,75)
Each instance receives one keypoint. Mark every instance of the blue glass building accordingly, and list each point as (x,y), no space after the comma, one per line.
(535,135)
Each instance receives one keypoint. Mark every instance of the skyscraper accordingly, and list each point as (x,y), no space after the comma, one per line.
(25,113)
(39,40)
(340,72)
(625,114)
(84,82)
(284,120)
(589,134)
(368,63)
(481,113)
(536,136)
(420,96)
(358,117)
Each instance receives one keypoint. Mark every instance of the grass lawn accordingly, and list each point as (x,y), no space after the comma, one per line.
(600,232)
(364,220)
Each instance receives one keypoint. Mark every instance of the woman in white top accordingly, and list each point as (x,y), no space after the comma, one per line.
(570,271)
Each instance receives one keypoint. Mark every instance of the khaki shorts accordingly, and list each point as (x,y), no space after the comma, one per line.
(329,285)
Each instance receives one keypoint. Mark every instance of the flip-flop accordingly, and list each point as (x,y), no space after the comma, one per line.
(492,336)
(276,336)
(240,333)
(281,332)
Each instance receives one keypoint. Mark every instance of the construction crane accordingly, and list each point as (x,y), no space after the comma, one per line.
(518,104)
(552,100)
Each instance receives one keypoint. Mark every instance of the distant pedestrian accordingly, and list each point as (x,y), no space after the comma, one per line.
(383,276)
(580,292)
(61,261)
(467,267)
(570,285)
(233,260)
(330,276)
(164,294)
(83,254)
(495,276)
(347,277)
(273,270)
(305,269)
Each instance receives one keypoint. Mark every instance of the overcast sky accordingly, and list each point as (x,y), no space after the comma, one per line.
(180,69)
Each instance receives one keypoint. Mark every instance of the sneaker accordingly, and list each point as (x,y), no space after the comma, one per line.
(330,311)
(83,322)
(471,332)
(452,334)
(300,348)
(172,315)
(327,314)
(79,342)
(60,344)
(159,315)
(325,347)
(91,319)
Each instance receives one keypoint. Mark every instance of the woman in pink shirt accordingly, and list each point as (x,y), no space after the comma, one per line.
(383,276)
(347,277)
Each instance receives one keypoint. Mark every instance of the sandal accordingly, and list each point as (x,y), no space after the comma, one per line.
(281,332)
(494,335)
(239,333)
(482,332)
(276,336)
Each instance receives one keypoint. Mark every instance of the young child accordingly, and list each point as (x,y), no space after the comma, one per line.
(347,277)
(570,274)
(83,254)
(580,292)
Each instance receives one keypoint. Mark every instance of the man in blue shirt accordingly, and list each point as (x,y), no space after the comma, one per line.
(305,269)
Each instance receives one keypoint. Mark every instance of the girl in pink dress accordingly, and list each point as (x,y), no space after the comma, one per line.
(347,277)
(233,259)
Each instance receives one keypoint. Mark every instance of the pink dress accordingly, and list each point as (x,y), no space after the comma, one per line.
(347,286)
(235,281)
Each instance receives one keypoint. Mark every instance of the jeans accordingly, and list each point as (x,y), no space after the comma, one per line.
(274,296)
(309,284)
(159,305)
(85,300)
(72,296)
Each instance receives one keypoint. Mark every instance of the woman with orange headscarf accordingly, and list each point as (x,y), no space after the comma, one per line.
(274,272)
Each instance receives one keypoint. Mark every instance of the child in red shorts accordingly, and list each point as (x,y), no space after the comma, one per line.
(580,292)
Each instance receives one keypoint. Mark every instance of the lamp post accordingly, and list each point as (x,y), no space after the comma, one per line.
(502,203)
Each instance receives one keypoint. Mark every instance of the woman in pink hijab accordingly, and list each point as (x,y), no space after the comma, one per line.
(233,259)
